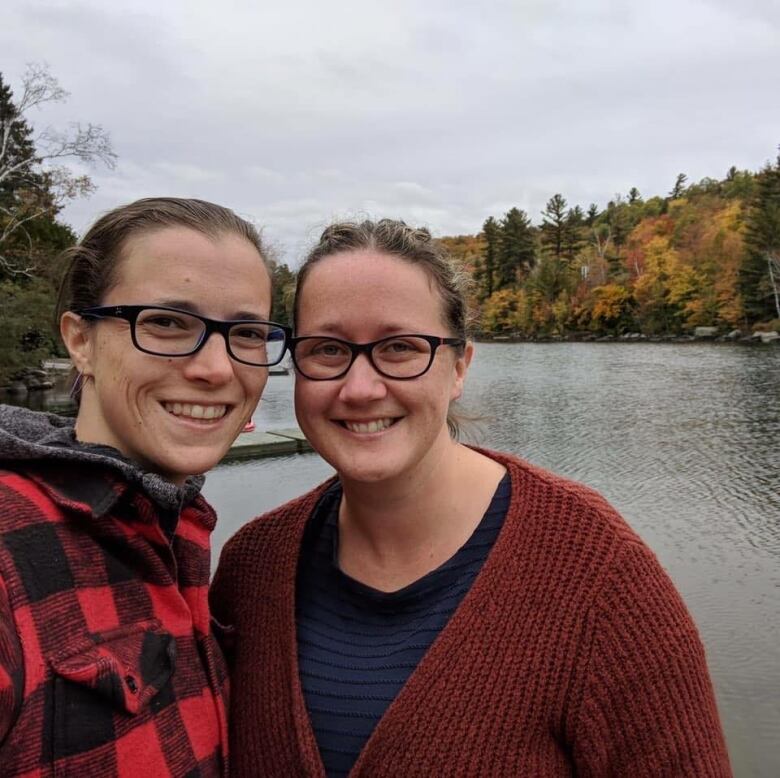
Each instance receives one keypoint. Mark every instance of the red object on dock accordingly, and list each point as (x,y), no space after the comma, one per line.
(249,426)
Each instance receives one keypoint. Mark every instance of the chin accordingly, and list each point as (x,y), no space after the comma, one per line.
(368,474)
(178,471)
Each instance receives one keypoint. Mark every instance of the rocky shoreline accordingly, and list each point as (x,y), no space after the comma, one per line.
(700,335)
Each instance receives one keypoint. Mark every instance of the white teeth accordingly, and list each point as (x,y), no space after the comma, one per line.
(377,425)
(194,411)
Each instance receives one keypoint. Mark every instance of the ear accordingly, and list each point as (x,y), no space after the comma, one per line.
(461,369)
(78,338)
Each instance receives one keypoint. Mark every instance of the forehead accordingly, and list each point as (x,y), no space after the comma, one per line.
(184,264)
(370,287)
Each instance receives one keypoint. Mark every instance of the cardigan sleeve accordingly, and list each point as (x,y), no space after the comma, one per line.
(645,703)
(11,666)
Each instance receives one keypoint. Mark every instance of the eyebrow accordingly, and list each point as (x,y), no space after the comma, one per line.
(186,305)
(388,331)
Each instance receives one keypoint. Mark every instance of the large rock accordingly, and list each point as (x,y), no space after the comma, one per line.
(767,337)
(701,333)
(733,335)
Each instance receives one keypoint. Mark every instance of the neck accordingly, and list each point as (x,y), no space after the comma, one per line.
(90,426)
(391,534)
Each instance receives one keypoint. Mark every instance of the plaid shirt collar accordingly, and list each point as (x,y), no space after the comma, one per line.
(96,492)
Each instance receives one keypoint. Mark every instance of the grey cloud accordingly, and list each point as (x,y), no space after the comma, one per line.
(443,112)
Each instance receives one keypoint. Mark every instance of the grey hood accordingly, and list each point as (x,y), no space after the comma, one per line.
(34,436)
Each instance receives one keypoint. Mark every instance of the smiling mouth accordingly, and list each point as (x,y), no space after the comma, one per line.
(196,411)
(365,427)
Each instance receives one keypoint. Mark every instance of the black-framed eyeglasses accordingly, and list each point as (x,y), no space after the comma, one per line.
(171,332)
(402,357)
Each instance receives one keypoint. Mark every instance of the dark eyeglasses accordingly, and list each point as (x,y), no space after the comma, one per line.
(402,357)
(170,332)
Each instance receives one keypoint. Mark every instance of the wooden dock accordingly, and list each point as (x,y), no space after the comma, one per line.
(269,443)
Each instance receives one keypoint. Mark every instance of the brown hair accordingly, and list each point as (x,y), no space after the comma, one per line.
(414,245)
(90,267)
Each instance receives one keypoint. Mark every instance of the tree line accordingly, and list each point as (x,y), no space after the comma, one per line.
(706,253)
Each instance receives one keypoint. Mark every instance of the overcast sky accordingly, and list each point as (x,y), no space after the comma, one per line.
(441,112)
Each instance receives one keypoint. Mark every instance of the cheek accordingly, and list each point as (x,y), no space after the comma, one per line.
(310,399)
(300,398)
(127,375)
(254,385)
(445,387)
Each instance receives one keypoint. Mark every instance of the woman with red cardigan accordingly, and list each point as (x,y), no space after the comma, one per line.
(437,609)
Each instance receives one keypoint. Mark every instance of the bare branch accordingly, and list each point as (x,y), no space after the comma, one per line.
(39,86)
(12,269)
(85,142)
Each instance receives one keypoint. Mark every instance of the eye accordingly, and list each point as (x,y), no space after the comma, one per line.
(248,333)
(328,348)
(164,322)
(400,348)
(322,350)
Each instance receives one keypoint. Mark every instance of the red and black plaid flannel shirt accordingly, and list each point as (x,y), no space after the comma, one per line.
(108,665)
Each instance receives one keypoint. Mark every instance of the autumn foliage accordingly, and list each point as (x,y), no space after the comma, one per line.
(659,266)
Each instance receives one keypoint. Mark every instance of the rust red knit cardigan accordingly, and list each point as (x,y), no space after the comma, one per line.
(571,654)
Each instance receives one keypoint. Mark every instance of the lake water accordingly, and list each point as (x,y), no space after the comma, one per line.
(684,439)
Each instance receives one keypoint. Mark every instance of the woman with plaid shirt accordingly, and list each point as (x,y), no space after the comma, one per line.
(108,662)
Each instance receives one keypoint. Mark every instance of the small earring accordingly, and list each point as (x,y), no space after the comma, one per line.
(75,389)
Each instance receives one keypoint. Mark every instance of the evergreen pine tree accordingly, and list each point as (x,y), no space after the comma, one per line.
(574,237)
(619,219)
(492,232)
(759,276)
(554,226)
(679,187)
(517,254)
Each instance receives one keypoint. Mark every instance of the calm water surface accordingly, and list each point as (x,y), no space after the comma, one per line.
(683,439)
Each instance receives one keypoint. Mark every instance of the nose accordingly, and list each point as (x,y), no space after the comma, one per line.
(362,383)
(211,363)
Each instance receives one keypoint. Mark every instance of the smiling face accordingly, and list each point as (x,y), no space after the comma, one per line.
(176,416)
(368,427)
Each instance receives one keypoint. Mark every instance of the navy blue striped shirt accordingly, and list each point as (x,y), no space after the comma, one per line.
(357,646)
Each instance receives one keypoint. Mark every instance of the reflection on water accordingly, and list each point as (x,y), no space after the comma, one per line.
(57,399)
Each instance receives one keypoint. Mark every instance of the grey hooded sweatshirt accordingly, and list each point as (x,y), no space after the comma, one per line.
(29,436)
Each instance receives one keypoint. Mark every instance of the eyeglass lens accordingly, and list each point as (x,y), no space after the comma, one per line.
(170,334)
(403,357)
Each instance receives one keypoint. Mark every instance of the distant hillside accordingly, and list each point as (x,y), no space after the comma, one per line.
(704,254)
